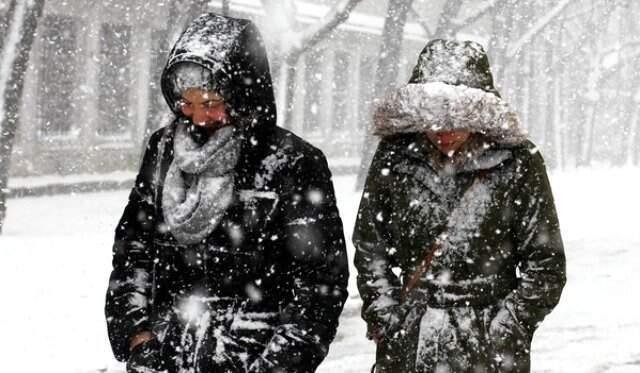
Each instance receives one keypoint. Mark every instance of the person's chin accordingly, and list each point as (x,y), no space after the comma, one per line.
(449,150)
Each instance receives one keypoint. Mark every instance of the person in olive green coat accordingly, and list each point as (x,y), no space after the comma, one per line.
(458,247)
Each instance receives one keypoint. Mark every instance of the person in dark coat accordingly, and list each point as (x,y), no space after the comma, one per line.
(458,247)
(230,254)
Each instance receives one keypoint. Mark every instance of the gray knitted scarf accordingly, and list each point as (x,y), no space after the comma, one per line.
(199,185)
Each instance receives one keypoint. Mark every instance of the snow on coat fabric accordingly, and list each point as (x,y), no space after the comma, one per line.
(263,292)
(500,267)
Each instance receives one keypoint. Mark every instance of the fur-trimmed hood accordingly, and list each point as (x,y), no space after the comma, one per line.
(451,88)
(440,106)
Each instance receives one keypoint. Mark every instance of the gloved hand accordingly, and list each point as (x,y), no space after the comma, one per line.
(146,358)
(387,322)
(509,341)
(259,366)
(504,328)
(383,322)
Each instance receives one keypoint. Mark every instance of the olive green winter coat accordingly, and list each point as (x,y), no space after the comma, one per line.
(499,266)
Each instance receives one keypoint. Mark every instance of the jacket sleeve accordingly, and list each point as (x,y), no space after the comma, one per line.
(314,243)
(379,287)
(128,294)
(539,247)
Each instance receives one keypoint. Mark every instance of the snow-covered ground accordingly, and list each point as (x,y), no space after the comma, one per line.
(55,261)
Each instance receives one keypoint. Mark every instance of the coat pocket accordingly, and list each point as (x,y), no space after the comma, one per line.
(396,351)
(509,343)
(258,208)
(251,333)
(451,340)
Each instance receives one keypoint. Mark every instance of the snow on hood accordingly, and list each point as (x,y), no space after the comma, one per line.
(233,50)
(437,106)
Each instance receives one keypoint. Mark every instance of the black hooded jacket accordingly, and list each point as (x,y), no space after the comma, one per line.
(276,266)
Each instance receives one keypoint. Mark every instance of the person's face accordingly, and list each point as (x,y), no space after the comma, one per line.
(448,142)
(204,108)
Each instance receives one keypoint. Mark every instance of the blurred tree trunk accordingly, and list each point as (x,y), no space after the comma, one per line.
(632,137)
(630,81)
(446,27)
(22,23)
(524,72)
(225,7)
(590,95)
(562,101)
(8,8)
(563,47)
(632,143)
(278,32)
(285,61)
(506,44)
(386,72)
(553,104)
(307,40)
(502,32)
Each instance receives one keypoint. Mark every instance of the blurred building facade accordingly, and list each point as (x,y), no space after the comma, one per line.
(92,94)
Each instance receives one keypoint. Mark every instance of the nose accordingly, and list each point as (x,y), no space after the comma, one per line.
(204,116)
(449,136)
(199,116)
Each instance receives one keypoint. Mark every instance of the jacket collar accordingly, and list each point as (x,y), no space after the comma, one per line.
(476,154)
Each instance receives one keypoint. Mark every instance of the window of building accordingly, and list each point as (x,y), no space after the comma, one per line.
(341,91)
(114,81)
(157,105)
(313,91)
(365,91)
(57,75)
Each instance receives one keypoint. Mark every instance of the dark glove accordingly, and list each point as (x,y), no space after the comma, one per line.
(259,366)
(510,341)
(146,358)
(387,322)
(381,321)
(505,329)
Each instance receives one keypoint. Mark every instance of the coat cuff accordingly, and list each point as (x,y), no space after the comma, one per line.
(120,342)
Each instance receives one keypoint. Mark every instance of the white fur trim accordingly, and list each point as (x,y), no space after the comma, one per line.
(440,106)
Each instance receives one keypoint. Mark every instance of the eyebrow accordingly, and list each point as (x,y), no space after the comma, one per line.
(203,102)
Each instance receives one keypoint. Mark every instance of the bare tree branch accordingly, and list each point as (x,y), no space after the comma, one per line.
(225,7)
(578,13)
(593,28)
(15,60)
(183,12)
(284,12)
(422,23)
(281,29)
(449,12)
(7,8)
(291,45)
(539,26)
(310,37)
(298,42)
(386,71)
(483,10)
